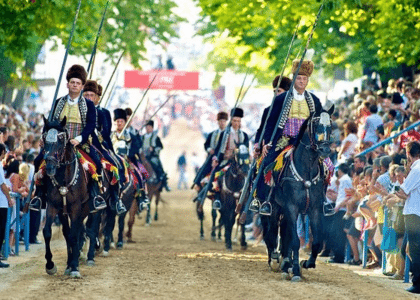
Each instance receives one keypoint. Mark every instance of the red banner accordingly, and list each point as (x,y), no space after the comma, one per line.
(165,80)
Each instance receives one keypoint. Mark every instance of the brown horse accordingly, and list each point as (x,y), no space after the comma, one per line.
(66,185)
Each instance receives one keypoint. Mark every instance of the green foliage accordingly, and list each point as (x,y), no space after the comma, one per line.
(379,34)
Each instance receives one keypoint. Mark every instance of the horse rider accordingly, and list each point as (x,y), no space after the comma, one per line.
(127,145)
(236,137)
(152,146)
(101,140)
(210,145)
(80,114)
(298,108)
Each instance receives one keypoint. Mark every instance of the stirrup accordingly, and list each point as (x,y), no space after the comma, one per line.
(217,205)
(266,209)
(35,203)
(99,202)
(255,205)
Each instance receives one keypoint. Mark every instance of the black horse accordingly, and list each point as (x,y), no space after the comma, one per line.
(231,185)
(299,190)
(66,185)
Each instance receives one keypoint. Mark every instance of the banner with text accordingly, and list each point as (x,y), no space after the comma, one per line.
(165,80)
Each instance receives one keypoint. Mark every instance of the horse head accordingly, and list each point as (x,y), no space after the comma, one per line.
(242,158)
(319,127)
(55,137)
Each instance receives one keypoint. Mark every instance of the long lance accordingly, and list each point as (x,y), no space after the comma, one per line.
(110,93)
(138,105)
(247,89)
(159,108)
(63,64)
(254,163)
(203,193)
(281,117)
(112,75)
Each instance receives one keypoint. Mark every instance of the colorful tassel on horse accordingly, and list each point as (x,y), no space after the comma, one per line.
(112,169)
(280,158)
(87,163)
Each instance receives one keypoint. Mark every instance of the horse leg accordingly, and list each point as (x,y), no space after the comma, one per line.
(92,233)
(109,228)
(50,267)
(157,203)
(200,215)
(229,221)
(131,220)
(213,224)
(316,220)
(269,226)
(149,206)
(121,221)
(295,245)
(76,226)
(244,244)
(219,235)
(289,240)
(66,233)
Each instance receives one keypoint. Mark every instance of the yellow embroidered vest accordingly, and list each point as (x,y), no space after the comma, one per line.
(72,113)
(299,110)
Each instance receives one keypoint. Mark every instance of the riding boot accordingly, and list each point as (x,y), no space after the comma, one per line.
(165,182)
(116,203)
(266,209)
(143,200)
(98,201)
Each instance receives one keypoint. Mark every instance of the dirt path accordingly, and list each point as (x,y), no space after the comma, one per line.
(168,261)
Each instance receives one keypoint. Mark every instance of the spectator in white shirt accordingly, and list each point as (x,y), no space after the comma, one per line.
(372,123)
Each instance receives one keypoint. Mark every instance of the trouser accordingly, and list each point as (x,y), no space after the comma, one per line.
(262,188)
(203,171)
(157,166)
(339,236)
(412,227)
(182,178)
(3,220)
(328,229)
(34,222)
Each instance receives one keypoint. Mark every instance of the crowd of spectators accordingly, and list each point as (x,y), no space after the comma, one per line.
(364,189)
(20,134)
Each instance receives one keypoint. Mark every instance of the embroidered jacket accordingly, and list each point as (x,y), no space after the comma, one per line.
(87,113)
(212,140)
(242,137)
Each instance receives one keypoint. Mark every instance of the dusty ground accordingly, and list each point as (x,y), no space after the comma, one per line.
(168,261)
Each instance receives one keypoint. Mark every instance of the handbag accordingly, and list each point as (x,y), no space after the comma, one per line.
(389,241)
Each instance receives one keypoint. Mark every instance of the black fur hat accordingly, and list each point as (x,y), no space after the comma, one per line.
(285,83)
(222,116)
(99,90)
(91,86)
(120,113)
(151,123)
(237,112)
(129,111)
(77,71)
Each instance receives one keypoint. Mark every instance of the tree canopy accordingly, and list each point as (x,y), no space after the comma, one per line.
(378,34)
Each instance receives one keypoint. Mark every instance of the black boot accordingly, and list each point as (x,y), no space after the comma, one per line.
(266,209)
(143,200)
(98,201)
(116,203)
(165,182)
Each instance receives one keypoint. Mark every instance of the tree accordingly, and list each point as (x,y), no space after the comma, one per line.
(25,25)
(380,34)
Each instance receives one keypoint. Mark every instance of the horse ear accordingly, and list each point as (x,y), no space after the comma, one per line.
(45,120)
(63,122)
(331,110)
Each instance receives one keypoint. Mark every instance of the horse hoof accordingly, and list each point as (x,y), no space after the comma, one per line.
(202,238)
(75,274)
(105,253)
(229,249)
(67,272)
(51,271)
(90,263)
(130,241)
(119,245)
(243,248)
(296,279)
(274,265)
(213,239)
(285,276)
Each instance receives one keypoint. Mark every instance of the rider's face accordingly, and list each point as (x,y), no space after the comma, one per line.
(75,85)
(236,123)
(222,124)
(301,83)
(120,124)
(149,129)
(90,95)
